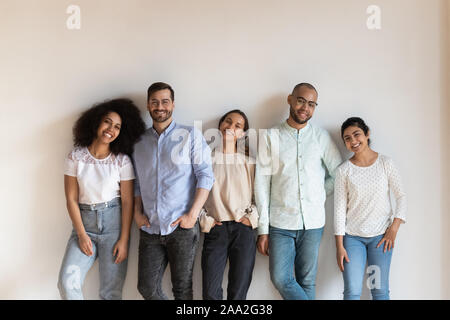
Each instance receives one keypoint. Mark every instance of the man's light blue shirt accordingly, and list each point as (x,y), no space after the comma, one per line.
(169,168)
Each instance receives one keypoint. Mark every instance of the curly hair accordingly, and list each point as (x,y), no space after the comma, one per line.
(85,128)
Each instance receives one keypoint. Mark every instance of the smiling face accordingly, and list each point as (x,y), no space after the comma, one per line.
(160,106)
(355,139)
(109,127)
(232,127)
(302,103)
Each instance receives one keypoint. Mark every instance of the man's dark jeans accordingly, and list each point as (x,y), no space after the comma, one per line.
(156,251)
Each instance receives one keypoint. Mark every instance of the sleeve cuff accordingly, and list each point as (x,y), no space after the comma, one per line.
(205,183)
(206,222)
(402,218)
(252,216)
(70,174)
(263,229)
(127,178)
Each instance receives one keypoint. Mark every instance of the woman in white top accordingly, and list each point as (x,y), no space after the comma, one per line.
(365,223)
(98,183)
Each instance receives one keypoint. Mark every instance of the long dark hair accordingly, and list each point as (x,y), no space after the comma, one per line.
(246,127)
(85,128)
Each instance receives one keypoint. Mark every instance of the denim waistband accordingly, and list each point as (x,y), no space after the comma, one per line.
(99,206)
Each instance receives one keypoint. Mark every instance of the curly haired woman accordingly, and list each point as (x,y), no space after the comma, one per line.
(98,183)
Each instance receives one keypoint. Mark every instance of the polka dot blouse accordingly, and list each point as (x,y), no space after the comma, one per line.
(362,204)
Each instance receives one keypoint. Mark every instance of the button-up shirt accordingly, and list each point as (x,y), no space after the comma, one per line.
(169,168)
(294,173)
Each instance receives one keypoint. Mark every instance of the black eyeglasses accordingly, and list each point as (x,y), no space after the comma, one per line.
(301,101)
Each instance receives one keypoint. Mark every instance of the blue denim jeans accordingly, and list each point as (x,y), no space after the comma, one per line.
(361,250)
(103,225)
(294,251)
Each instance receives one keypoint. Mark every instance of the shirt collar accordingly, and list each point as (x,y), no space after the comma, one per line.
(294,131)
(166,131)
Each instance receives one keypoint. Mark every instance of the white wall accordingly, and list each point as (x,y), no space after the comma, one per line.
(445,129)
(217,55)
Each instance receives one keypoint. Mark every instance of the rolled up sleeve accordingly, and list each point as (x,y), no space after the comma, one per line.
(201,160)
(263,180)
(332,159)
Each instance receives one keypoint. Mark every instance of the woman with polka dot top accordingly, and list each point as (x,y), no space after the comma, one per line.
(365,223)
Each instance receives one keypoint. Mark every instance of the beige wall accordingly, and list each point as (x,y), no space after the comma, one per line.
(445,129)
(221,54)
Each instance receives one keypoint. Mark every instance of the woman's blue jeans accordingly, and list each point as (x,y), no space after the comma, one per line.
(103,225)
(294,251)
(361,250)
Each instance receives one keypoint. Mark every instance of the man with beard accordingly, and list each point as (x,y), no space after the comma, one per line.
(173,180)
(294,174)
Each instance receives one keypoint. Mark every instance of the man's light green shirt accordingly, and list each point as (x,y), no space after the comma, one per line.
(294,174)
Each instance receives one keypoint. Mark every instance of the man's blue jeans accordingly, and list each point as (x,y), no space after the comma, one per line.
(294,251)
(360,250)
